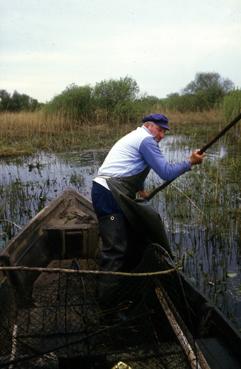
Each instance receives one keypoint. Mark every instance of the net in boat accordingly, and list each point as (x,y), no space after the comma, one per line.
(64,323)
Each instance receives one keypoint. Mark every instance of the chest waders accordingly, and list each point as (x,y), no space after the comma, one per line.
(125,235)
(115,234)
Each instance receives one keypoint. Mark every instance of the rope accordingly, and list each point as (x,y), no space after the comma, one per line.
(93,272)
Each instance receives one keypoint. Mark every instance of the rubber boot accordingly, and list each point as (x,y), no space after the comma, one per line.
(112,255)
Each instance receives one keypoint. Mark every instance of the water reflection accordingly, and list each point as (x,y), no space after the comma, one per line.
(27,184)
(210,252)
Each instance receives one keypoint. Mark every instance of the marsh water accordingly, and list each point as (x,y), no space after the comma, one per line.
(200,211)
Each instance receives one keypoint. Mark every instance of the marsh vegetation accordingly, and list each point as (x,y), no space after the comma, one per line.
(62,144)
(87,117)
(25,133)
(201,209)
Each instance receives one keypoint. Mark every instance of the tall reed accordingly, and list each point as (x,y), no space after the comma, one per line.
(26,132)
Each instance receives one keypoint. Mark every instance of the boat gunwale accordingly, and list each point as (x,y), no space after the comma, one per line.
(35,225)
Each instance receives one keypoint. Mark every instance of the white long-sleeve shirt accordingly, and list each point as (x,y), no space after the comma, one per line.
(133,153)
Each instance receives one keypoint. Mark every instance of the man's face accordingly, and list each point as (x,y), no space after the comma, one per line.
(158,132)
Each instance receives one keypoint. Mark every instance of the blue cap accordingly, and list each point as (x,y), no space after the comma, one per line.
(159,119)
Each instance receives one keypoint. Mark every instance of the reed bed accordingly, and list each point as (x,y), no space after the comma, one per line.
(27,132)
(210,116)
(201,210)
(200,128)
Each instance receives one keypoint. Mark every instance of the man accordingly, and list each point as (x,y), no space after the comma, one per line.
(128,163)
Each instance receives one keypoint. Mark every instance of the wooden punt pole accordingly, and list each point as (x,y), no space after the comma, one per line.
(196,359)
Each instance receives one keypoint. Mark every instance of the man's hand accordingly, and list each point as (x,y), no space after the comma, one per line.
(142,194)
(196,158)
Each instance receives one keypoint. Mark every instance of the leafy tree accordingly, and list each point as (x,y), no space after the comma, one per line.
(33,104)
(206,81)
(17,102)
(210,87)
(4,100)
(108,94)
(204,92)
(75,101)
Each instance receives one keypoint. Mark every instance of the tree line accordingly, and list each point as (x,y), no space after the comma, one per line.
(121,99)
(17,102)
(205,92)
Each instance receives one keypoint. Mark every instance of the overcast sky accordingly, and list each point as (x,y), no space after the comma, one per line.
(45,45)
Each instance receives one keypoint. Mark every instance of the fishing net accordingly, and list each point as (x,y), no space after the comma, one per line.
(64,324)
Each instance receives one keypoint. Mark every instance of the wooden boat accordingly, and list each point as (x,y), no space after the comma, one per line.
(51,317)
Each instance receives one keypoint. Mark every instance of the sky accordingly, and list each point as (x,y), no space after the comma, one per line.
(46,45)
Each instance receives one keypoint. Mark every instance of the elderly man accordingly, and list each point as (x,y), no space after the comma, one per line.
(129,161)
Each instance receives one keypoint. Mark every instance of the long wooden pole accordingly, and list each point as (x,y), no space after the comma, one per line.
(196,359)
(201,151)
